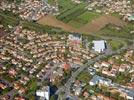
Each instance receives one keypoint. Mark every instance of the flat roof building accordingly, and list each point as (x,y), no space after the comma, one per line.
(43,94)
(99,45)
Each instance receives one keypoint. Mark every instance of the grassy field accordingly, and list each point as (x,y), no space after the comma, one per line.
(117,44)
(75,23)
(71,13)
(111,30)
(83,19)
(89,16)
(65,5)
(75,14)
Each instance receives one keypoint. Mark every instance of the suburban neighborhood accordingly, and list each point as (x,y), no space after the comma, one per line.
(66,50)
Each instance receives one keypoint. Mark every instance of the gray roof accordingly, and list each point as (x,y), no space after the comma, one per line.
(97,78)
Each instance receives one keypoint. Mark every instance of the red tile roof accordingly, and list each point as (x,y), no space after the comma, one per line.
(2,33)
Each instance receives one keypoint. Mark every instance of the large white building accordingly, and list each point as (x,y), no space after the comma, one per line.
(43,94)
(99,45)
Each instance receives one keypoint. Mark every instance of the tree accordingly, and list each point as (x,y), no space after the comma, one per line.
(104,88)
(53,97)
(115,95)
(1,18)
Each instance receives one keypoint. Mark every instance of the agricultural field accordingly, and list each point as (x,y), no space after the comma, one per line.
(65,5)
(70,14)
(75,15)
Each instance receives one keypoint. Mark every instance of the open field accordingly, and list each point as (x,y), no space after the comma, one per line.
(100,23)
(74,14)
(83,19)
(117,44)
(71,14)
(114,31)
(90,27)
(65,5)
(52,21)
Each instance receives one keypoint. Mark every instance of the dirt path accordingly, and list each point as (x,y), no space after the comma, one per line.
(91,27)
